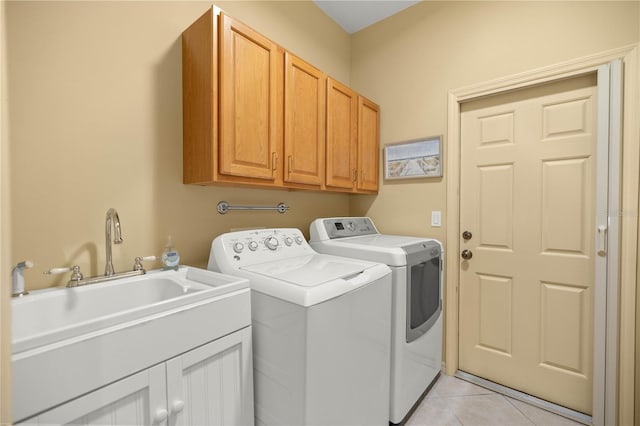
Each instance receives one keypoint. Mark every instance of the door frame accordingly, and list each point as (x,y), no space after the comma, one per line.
(628,215)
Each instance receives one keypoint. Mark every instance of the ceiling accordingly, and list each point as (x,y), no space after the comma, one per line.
(354,15)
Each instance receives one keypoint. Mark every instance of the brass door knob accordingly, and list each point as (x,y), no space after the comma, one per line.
(466,235)
(466,254)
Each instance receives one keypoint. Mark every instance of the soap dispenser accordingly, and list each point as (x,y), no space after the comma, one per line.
(170,256)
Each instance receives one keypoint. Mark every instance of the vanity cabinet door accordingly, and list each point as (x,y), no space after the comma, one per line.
(213,384)
(139,399)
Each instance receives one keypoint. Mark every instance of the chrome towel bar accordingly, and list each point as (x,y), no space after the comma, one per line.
(224,207)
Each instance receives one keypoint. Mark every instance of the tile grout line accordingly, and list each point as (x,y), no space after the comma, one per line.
(509,401)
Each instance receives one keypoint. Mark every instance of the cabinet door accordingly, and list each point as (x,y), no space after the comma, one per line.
(342,110)
(213,384)
(368,145)
(304,117)
(136,400)
(251,68)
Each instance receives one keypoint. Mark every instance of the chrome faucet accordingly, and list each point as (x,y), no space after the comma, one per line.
(112,217)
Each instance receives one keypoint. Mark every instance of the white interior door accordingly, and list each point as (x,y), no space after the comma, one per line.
(527,197)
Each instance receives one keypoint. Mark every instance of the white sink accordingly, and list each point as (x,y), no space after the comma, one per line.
(47,316)
(100,332)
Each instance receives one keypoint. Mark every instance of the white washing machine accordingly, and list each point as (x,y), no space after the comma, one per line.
(416,330)
(321,329)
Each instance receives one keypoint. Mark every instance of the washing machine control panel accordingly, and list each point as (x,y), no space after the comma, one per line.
(243,248)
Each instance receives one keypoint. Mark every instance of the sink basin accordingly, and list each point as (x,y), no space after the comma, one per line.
(101,332)
(48,316)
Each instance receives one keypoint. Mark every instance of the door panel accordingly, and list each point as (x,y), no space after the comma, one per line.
(496,206)
(564,206)
(527,195)
(495,313)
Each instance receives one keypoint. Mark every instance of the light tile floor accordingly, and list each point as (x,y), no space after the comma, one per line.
(452,401)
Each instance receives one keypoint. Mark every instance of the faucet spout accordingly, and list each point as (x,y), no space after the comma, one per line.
(112,219)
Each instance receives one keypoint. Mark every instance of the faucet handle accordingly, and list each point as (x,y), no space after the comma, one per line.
(137,266)
(57,271)
(25,264)
(76,275)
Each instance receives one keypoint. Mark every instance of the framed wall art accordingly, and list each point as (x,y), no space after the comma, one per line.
(417,158)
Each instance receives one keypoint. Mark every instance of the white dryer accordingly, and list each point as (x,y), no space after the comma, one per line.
(416,331)
(321,329)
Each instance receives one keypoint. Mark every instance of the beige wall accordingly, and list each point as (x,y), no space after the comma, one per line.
(434,47)
(94,113)
(96,122)
(409,62)
(5,284)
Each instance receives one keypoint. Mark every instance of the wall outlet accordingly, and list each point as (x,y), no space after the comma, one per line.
(436,219)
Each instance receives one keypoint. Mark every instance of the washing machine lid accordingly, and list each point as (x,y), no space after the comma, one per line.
(309,271)
(312,279)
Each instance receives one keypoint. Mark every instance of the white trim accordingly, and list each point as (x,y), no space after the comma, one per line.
(542,75)
(613,242)
(630,171)
(629,239)
(601,250)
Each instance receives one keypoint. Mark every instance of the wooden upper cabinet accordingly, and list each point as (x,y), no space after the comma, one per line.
(368,145)
(342,136)
(256,115)
(199,100)
(304,118)
(251,69)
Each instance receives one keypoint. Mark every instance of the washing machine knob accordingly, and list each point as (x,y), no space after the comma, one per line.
(253,246)
(271,243)
(238,247)
(299,240)
(288,241)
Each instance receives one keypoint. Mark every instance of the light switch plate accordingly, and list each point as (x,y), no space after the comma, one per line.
(436,219)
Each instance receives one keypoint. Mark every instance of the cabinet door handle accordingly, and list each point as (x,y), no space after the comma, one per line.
(355,175)
(274,161)
(177,406)
(290,159)
(160,416)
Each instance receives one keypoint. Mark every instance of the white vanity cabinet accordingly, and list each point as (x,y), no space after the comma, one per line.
(168,348)
(209,385)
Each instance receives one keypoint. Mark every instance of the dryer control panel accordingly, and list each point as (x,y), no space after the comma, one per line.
(341,227)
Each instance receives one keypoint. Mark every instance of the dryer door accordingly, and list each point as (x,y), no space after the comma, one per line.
(424,298)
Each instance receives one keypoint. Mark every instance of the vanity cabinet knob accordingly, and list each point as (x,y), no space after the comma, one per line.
(177,406)
(160,415)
